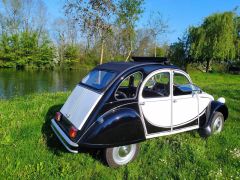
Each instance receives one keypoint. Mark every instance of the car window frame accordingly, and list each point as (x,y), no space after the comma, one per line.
(188,78)
(94,88)
(149,76)
(137,90)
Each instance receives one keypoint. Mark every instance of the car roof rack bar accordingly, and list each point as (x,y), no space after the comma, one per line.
(161,60)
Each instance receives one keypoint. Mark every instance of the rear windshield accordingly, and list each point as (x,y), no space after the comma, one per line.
(99,79)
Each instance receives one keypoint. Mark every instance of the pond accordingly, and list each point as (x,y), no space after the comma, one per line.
(19,83)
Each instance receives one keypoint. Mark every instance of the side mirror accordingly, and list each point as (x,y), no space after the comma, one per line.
(185,89)
(196,89)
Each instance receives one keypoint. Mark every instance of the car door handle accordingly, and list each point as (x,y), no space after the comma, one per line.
(142,103)
(174,101)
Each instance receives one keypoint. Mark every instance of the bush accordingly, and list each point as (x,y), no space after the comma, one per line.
(25,49)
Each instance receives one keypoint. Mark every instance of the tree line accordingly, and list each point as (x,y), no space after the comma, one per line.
(93,32)
(89,33)
(23,36)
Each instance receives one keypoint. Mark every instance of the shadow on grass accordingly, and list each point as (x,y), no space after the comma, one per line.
(51,140)
(53,143)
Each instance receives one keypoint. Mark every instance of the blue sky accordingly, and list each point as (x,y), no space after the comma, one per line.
(179,13)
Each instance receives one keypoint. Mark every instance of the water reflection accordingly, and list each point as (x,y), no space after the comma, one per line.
(18,83)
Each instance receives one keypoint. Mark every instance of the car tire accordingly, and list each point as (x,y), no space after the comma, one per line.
(211,128)
(217,123)
(122,155)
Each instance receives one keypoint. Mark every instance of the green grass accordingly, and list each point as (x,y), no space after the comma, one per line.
(28,148)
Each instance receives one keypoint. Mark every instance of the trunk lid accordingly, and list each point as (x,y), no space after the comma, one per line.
(80,105)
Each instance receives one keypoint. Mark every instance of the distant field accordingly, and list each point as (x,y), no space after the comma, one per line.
(28,148)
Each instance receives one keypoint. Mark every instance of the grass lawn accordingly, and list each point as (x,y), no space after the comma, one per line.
(28,148)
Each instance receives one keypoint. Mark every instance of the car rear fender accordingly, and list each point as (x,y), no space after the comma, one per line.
(115,128)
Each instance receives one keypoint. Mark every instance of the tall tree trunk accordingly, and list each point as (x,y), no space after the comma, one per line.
(130,52)
(155,49)
(88,43)
(102,50)
(185,66)
(208,65)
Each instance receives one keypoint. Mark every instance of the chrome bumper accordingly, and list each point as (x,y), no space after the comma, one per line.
(68,143)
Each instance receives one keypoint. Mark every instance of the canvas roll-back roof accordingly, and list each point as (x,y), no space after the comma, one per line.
(124,66)
(116,66)
(120,68)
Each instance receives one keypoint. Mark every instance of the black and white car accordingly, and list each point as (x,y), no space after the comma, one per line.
(119,104)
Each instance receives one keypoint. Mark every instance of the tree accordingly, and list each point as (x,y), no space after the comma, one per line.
(237,37)
(128,14)
(12,11)
(71,54)
(23,38)
(214,39)
(157,26)
(94,18)
(179,52)
(66,38)
(24,49)
(6,51)
(19,15)
(162,51)
(45,52)
(144,43)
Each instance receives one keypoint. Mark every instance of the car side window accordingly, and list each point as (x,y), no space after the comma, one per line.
(157,86)
(129,86)
(181,85)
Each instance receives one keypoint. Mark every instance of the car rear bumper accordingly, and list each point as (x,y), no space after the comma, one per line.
(68,143)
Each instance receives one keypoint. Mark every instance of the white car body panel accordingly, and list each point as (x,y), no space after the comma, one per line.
(172,111)
(204,100)
(79,105)
(185,109)
(157,111)
(171,132)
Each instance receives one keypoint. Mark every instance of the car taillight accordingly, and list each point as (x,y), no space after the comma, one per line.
(58,116)
(73,132)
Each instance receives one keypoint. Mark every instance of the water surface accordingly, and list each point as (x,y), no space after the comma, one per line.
(19,83)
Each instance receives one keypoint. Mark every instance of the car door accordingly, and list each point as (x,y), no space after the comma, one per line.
(155,102)
(185,108)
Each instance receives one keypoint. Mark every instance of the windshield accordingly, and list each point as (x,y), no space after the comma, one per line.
(99,79)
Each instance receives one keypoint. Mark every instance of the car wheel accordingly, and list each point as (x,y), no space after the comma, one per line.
(217,123)
(118,156)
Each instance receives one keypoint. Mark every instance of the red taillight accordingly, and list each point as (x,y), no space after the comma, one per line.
(73,132)
(58,116)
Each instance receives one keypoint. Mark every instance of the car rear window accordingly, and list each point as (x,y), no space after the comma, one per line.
(99,79)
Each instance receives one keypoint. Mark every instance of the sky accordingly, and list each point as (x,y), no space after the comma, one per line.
(180,14)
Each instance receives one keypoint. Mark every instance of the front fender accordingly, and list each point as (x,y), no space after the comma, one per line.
(214,106)
(115,128)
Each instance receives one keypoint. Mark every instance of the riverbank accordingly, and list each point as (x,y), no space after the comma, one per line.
(20,83)
(28,148)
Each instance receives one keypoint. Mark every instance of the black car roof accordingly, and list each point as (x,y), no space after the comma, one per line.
(124,66)
(121,67)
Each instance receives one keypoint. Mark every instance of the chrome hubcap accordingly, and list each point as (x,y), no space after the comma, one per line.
(124,154)
(217,126)
(124,151)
